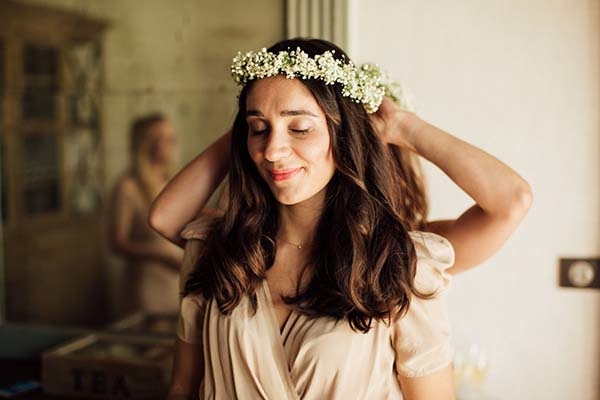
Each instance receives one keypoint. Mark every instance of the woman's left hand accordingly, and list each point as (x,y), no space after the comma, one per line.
(394,125)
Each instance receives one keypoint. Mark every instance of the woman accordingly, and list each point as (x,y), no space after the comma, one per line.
(324,280)
(153,262)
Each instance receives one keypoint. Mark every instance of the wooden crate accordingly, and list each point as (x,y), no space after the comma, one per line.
(143,323)
(108,366)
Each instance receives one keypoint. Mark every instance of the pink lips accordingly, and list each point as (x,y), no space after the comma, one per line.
(279,175)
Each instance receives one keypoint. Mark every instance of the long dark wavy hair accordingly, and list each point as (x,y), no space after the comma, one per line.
(363,262)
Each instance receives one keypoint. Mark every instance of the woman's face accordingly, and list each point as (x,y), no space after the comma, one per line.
(164,142)
(288,139)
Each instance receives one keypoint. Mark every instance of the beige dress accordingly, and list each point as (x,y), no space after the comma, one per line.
(247,357)
(152,285)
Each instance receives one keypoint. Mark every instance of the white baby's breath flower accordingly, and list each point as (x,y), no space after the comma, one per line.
(367,84)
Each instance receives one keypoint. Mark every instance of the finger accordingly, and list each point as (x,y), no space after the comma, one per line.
(387,105)
(377,123)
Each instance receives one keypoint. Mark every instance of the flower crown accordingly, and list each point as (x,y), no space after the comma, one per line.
(367,84)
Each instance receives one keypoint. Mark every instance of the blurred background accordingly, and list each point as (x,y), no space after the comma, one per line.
(518,78)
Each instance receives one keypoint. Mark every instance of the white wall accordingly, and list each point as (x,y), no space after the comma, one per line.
(520,79)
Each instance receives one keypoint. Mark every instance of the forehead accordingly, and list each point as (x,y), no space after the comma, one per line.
(278,93)
(162,127)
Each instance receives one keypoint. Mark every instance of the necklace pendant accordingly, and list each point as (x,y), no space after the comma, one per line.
(299,246)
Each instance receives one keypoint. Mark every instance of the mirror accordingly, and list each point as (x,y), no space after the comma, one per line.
(74,76)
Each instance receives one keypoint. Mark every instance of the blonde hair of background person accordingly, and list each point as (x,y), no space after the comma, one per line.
(502,199)
(151,279)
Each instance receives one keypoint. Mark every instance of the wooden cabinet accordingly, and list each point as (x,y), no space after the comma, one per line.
(52,165)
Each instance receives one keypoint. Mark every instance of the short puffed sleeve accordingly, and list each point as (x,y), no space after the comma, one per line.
(194,234)
(192,306)
(191,318)
(421,338)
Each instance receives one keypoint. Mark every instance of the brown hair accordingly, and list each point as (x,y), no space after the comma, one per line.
(363,261)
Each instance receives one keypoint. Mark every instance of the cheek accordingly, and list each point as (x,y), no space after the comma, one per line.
(324,153)
(254,150)
(168,146)
(330,160)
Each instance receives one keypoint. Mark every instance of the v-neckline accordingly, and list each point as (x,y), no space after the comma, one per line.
(271,306)
(279,350)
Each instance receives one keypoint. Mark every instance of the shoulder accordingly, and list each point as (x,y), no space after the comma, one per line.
(193,305)
(432,246)
(191,254)
(435,255)
(126,182)
(421,337)
(191,317)
(126,186)
(194,234)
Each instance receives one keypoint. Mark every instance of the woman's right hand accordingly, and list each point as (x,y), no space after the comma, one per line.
(394,125)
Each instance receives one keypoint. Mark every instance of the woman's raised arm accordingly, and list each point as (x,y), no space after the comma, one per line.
(502,197)
(186,194)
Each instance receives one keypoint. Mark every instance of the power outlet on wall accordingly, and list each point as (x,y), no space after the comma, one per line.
(583,273)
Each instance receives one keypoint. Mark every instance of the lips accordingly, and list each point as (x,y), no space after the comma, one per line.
(279,175)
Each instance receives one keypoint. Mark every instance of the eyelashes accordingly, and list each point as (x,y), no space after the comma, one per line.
(259,132)
(301,131)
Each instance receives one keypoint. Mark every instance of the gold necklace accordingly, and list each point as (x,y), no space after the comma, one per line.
(298,246)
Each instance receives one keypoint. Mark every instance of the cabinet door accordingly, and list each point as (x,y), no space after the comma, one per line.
(38,130)
(53,242)
(40,169)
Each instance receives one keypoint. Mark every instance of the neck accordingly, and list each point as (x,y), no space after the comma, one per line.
(298,222)
(158,171)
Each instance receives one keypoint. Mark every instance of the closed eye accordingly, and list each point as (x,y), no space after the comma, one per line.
(301,131)
(258,132)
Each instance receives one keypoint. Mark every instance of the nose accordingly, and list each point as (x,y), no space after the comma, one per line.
(277,146)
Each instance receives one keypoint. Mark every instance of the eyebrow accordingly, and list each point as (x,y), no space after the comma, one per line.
(284,113)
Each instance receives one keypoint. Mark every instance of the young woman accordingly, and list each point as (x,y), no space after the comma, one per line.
(324,280)
(153,262)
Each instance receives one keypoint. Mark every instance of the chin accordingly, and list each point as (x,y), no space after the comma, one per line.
(289,200)
(293,198)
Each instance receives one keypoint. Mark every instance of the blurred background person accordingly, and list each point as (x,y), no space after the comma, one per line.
(151,279)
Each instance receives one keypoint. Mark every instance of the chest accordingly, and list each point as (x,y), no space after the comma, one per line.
(140,207)
(285,278)
(307,358)
(280,285)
